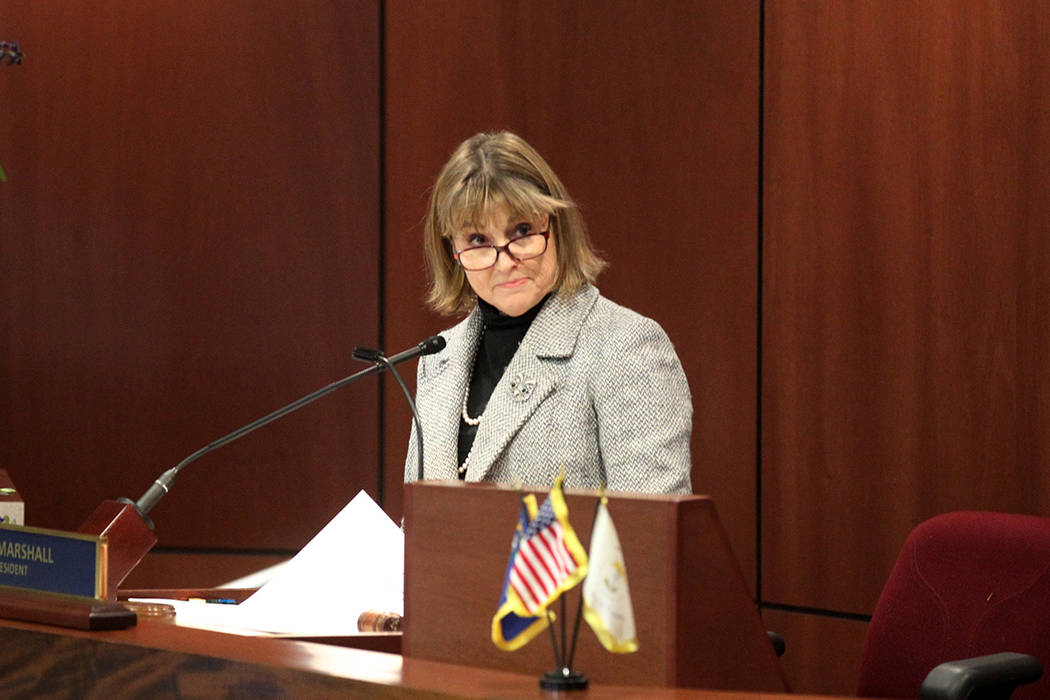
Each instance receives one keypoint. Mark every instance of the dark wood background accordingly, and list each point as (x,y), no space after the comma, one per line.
(905,287)
(630,108)
(837,210)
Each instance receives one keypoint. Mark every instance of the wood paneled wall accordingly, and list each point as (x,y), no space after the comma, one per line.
(188,240)
(648,113)
(905,287)
(835,209)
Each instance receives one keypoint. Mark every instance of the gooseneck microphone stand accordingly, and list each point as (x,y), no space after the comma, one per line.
(126,524)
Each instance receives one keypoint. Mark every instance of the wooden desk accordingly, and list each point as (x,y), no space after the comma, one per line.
(161,660)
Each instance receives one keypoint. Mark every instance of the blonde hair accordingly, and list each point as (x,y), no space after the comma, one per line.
(485,171)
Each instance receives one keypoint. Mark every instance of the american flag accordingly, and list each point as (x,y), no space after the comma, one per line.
(544,563)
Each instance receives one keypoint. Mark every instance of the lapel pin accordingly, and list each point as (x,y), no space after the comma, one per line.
(521,389)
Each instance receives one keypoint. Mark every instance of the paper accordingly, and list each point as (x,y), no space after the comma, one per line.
(355,563)
(256,579)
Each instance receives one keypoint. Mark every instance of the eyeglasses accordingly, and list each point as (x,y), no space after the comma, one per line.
(482,257)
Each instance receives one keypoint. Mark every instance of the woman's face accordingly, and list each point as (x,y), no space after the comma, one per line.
(510,285)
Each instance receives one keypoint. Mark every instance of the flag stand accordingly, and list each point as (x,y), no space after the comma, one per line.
(546,560)
(563,677)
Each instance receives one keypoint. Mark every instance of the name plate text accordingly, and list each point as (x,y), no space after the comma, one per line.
(52,561)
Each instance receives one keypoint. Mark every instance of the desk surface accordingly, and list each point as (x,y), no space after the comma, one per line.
(158,659)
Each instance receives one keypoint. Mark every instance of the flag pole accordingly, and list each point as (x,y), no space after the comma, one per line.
(563,645)
(547,613)
(554,639)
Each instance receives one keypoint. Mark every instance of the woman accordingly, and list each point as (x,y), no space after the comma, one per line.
(543,372)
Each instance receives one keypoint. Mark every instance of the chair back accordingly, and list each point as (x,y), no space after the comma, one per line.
(965,584)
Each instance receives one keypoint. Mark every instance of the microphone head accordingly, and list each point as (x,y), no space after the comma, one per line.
(434,343)
(366,354)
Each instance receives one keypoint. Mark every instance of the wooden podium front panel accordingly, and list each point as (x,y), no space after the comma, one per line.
(697,625)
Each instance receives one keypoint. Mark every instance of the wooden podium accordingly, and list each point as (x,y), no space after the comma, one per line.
(697,624)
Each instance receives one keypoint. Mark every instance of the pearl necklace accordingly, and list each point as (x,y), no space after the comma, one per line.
(471,422)
(474,422)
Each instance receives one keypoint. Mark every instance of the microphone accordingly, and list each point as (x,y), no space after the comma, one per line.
(432,344)
(162,484)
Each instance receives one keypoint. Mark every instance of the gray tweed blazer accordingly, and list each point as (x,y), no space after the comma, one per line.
(593,386)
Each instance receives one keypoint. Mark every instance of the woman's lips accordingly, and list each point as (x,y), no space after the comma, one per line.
(513,283)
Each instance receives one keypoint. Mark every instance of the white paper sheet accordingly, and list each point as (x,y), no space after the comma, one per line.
(355,563)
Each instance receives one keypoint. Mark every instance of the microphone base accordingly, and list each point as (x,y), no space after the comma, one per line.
(130,537)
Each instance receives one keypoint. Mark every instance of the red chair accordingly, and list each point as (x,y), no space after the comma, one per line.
(965,585)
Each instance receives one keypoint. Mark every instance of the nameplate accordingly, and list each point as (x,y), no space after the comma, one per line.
(52,561)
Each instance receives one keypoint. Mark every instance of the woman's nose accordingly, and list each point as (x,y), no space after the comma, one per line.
(505,259)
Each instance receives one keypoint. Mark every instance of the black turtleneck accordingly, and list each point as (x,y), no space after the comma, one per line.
(500,338)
